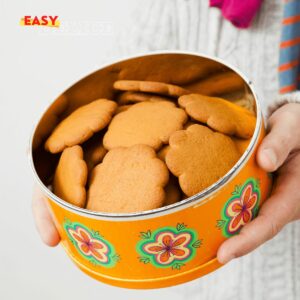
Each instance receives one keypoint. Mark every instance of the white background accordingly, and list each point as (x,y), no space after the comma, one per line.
(35,67)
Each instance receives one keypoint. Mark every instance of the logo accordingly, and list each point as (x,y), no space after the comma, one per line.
(50,21)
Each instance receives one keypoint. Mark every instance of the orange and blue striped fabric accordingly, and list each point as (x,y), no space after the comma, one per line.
(289,60)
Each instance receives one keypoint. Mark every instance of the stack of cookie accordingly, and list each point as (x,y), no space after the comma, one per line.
(153,145)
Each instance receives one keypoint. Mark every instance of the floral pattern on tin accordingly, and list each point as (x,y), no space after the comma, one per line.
(91,245)
(241,208)
(168,246)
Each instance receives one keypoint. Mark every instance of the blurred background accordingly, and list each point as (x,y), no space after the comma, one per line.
(36,65)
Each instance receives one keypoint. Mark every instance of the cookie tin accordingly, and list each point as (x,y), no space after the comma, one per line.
(166,246)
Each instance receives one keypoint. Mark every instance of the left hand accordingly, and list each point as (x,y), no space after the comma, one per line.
(280,152)
(43,219)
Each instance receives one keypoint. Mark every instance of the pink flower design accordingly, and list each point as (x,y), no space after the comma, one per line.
(169,247)
(88,245)
(240,210)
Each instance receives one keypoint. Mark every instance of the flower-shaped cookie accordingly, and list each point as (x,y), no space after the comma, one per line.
(94,151)
(135,97)
(199,157)
(128,180)
(80,125)
(160,88)
(218,84)
(219,114)
(70,176)
(148,123)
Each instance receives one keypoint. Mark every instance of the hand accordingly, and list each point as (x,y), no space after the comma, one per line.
(43,220)
(279,151)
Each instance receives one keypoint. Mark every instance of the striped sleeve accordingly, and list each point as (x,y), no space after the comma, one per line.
(289,62)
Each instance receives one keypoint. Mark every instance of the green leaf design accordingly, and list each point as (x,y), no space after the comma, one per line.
(237,190)
(144,259)
(255,212)
(93,262)
(96,234)
(197,244)
(257,183)
(177,266)
(220,224)
(67,221)
(180,226)
(145,235)
(116,257)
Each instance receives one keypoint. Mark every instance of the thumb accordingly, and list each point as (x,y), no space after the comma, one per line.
(279,142)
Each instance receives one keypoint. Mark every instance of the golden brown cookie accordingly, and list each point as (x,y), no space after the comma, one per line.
(199,157)
(173,193)
(219,114)
(128,180)
(94,151)
(171,68)
(134,97)
(154,87)
(122,108)
(241,144)
(80,125)
(161,154)
(70,176)
(234,96)
(148,123)
(188,124)
(218,84)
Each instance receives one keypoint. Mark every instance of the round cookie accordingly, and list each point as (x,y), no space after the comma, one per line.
(199,157)
(134,97)
(128,180)
(148,123)
(70,176)
(219,114)
(154,87)
(80,125)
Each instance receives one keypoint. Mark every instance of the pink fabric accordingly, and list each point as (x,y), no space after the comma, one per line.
(216,3)
(239,12)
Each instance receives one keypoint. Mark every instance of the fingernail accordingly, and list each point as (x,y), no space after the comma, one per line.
(271,155)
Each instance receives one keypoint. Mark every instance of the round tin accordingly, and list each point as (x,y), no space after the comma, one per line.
(161,247)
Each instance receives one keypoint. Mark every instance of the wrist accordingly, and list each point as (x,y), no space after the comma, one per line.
(281,100)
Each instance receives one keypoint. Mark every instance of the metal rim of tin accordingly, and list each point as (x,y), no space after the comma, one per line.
(195,200)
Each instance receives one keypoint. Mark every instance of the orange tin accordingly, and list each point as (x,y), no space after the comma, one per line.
(161,247)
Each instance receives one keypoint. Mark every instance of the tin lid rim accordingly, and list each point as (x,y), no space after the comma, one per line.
(195,199)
